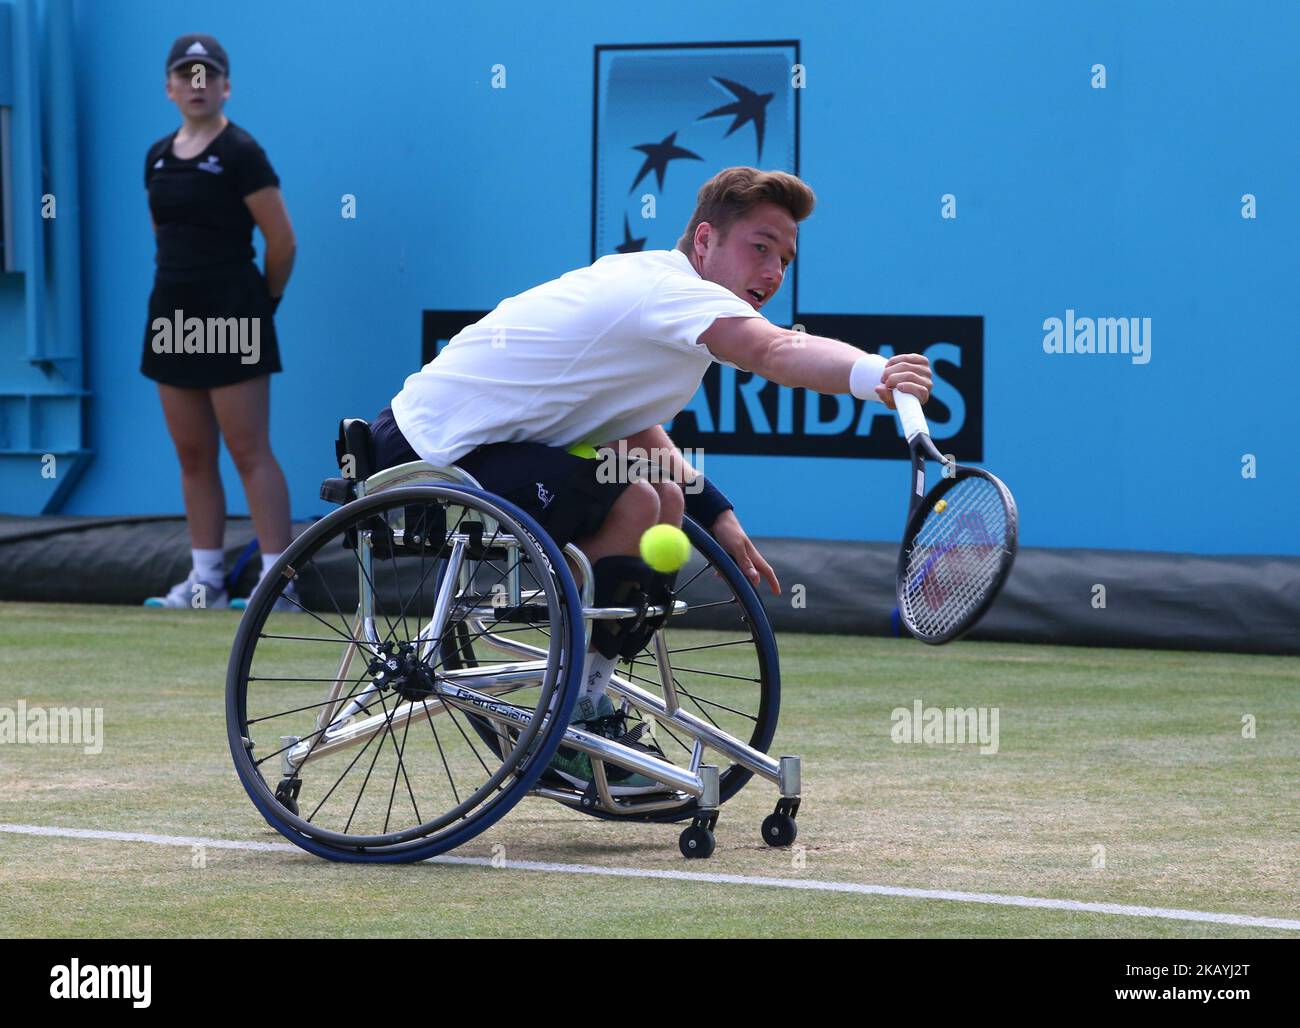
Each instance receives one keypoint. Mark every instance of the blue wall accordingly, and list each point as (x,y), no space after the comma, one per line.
(1114,202)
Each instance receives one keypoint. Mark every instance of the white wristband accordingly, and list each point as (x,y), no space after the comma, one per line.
(865,376)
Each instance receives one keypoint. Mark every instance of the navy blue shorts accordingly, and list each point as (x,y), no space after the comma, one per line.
(558,489)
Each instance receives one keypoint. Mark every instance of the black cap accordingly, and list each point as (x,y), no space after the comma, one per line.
(196,48)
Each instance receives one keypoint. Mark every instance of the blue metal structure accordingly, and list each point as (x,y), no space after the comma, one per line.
(42,394)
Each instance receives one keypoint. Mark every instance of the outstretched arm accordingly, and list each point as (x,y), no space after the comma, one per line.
(807,361)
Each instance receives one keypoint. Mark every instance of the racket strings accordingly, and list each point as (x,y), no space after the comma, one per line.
(956,557)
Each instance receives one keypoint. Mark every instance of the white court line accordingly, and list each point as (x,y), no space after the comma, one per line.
(806,884)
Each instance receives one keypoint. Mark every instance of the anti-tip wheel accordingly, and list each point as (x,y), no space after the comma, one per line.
(696,842)
(287,793)
(779,829)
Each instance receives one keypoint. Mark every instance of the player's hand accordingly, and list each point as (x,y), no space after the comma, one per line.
(909,372)
(732,538)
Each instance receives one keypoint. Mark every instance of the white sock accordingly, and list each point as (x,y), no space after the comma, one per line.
(209,566)
(596,675)
(267,560)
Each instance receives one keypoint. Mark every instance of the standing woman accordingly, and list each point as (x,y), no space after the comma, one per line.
(209,183)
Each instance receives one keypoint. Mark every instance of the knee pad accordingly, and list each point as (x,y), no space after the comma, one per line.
(627,582)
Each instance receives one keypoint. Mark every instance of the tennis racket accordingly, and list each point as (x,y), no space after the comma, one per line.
(959,543)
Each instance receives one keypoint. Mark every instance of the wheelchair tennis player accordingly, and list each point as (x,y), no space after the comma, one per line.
(606,354)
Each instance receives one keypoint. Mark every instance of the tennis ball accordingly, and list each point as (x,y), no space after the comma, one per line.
(665,548)
(941,506)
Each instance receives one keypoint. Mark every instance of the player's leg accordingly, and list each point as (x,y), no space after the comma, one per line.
(635,510)
(659,591)
(192,425)
(672,503)
(243,411)
(623,579)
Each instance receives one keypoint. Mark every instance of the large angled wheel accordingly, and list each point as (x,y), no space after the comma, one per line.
(725,667)
(352,734)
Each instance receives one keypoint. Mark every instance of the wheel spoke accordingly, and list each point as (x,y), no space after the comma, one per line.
(314,736)
(401,766)
(313,638)
(711,646)
(364,782)
(339,781)
(714,603)
(320,575)
(438,742)
(717,674)
(697,700)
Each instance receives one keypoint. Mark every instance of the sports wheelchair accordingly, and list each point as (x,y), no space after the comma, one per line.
(415,682)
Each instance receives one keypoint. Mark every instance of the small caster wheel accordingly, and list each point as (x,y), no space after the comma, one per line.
(779,829)
(696,842)
(287,793)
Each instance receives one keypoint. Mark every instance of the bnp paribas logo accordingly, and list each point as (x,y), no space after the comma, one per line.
(669,117)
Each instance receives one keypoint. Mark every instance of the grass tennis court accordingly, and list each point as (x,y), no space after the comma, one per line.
(1139,752)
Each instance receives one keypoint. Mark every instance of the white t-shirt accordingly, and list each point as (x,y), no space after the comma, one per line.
(590,357)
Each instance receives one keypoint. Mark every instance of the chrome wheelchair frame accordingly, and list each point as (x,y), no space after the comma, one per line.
(349,719)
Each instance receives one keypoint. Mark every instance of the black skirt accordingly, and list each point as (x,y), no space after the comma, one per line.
(211,333)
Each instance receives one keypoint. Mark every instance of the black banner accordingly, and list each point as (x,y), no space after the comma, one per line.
(737,412)
(1232,980)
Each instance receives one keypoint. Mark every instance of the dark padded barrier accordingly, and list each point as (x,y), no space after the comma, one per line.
(68,559)
(1157,600)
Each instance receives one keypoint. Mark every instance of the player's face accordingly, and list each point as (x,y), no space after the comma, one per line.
(197,101)
(751,258)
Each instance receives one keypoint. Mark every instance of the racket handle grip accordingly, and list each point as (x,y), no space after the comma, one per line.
(909,413)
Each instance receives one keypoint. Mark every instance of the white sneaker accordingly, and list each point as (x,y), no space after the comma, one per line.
(192,594)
